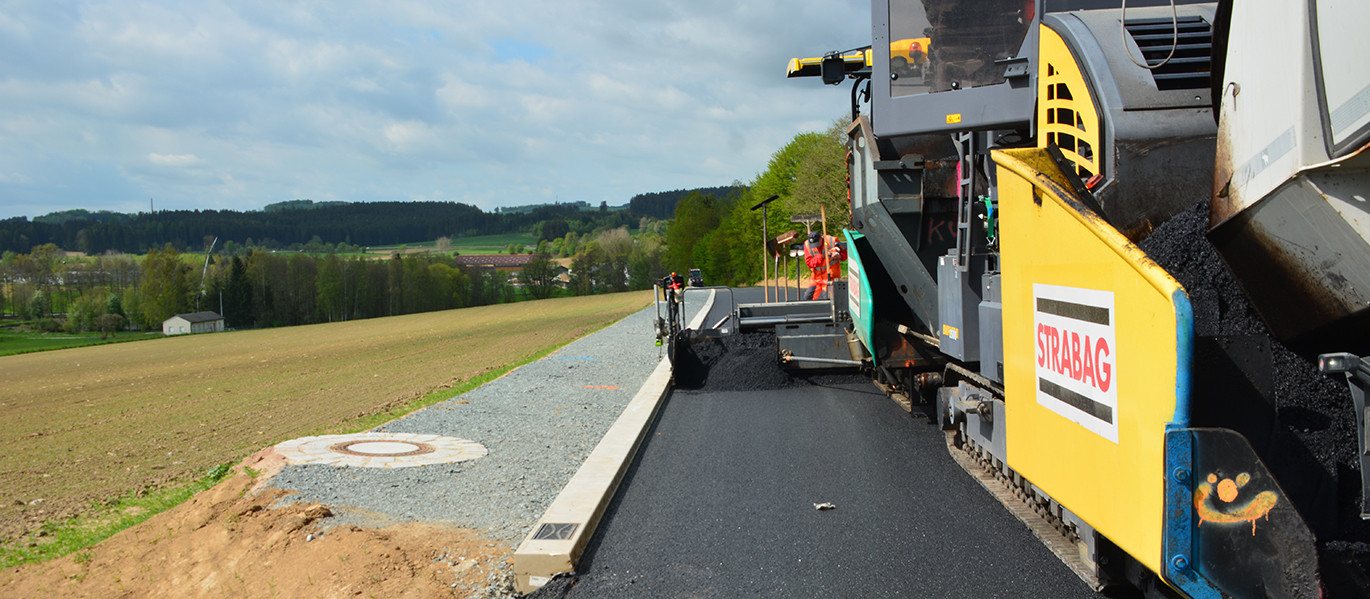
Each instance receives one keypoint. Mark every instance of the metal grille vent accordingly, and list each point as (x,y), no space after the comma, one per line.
(1070,124)
(555,531)
(1192,63)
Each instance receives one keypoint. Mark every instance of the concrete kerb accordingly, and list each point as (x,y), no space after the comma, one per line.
(555,543)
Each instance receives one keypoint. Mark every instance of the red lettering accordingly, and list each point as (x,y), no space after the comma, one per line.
(1065,352)
(935,233)
(1105,369)
(1041,345)
(1089,363)
(1075,369)
(1055,349)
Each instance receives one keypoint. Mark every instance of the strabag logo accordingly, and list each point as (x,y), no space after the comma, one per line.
(1077,374)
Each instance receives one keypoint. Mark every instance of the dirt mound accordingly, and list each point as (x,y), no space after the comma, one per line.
(743,362)
(229,542)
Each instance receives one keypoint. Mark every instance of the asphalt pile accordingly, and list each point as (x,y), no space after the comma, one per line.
(744,362)
(1316,407)
(1300,421)
(1180,246)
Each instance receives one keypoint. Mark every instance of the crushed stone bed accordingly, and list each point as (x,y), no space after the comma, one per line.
(538,422)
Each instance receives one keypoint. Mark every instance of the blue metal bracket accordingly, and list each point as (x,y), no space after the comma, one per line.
(1178,547)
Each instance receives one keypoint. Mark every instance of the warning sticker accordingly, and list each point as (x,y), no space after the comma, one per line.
(1076,361)
(854,289)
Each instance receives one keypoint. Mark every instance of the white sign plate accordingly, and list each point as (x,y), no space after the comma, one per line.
(1077,362)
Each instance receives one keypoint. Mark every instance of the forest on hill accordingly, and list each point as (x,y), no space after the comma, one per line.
(661,205)
(283,225)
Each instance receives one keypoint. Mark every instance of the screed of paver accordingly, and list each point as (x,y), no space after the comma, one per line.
(380,450)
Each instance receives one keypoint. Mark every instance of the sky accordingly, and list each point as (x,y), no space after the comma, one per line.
(133,105)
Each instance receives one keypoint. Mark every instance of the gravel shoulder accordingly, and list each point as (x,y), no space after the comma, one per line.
(538,422)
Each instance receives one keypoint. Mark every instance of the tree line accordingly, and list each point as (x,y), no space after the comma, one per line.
(290,224)
(722,235)
(661,204)
(108,293)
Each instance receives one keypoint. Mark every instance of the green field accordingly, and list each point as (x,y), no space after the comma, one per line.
(88,426)
(17,342)
(481,244)
(489,244)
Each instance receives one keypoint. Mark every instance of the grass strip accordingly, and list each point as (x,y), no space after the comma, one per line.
(80,532)
(369,422)
(12,344)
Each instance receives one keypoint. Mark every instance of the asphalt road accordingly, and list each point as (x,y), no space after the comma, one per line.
(720,503)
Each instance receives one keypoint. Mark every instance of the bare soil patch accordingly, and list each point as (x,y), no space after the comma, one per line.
(229,542)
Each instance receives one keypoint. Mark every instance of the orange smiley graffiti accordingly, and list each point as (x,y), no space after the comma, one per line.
(1227,490)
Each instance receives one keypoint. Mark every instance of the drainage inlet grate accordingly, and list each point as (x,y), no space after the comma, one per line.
(555,531)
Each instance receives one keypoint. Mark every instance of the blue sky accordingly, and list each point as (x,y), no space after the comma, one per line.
(235,105)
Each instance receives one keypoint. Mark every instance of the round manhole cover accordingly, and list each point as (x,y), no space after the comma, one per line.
(394,449)
(380,450)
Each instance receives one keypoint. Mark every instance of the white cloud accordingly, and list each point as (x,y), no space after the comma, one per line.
(240,104)
(409,136)
(463,97)
(174,159)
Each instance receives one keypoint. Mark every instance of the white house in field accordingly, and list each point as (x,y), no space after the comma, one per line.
(195,322)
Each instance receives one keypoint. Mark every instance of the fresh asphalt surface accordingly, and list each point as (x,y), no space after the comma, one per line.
(720,503)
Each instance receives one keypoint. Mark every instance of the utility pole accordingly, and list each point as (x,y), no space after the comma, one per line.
(202,278)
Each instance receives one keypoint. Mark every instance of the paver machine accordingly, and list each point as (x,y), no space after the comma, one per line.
(1018,262)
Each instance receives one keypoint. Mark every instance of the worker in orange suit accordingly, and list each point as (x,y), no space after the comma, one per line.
(824,257)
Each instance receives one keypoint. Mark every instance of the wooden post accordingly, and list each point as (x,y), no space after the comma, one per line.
(765,238)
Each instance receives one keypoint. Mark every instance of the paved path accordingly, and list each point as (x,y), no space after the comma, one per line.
(721,504)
